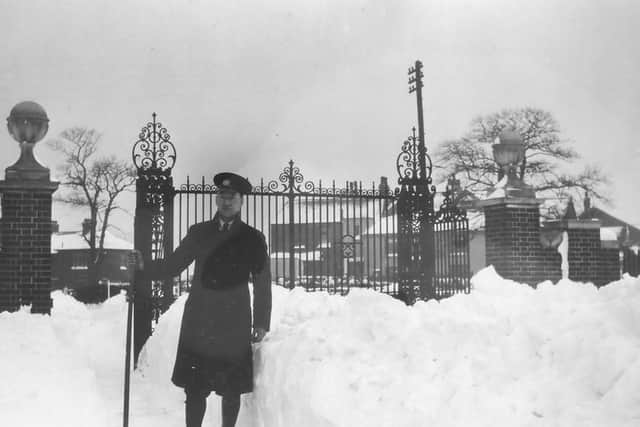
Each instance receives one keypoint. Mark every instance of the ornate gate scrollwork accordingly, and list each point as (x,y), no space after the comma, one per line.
(154,156)
(415,221)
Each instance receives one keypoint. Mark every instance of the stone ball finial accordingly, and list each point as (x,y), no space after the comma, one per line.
(28,122)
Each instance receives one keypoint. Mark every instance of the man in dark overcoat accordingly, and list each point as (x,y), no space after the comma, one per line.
(214,348)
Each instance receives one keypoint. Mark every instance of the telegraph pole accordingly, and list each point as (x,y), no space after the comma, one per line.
(415,85)
(424,195)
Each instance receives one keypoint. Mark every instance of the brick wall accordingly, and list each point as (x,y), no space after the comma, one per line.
(588,260)
(513,244)
(631,263)
(584,248)
(609,268)
(25,264)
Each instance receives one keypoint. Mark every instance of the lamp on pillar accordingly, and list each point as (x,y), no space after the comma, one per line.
(512,220)
(27,123)
(508,154)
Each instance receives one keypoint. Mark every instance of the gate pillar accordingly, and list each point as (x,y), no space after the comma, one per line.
(25,250)
(416,247)
(154,156)
(512,221)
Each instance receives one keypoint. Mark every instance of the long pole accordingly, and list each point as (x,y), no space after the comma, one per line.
(127,361)
(426,235)
(421,142)
(291,197)
(415,82)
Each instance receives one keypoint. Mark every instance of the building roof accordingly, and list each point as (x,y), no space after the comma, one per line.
(70,240)
(626,233)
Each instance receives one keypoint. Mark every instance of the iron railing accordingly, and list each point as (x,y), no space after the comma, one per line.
(320,237)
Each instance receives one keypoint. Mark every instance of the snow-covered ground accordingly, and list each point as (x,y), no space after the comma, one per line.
(506,355)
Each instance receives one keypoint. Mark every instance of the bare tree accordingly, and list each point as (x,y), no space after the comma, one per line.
(547,158)
(92,182)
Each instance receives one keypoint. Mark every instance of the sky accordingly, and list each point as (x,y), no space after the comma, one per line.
(247,86)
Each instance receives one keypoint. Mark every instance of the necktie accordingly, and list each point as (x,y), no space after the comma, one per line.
(225,227)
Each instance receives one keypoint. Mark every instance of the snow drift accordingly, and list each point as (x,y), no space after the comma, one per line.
(564,354)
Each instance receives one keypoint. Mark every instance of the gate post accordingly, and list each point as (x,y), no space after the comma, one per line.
(142,287)
(25,251)
(154,156)
(416,247)
(291,196)
(167,243)
(416,240)
(417,209)
(512,221)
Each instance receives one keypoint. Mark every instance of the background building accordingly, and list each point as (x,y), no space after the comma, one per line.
(70,264)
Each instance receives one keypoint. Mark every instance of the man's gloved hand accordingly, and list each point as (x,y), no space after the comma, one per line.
(258,334)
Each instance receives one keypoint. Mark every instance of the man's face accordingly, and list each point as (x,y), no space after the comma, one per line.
(229,204)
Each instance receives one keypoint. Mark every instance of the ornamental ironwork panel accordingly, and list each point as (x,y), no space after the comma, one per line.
(154,156)
(415,219)
(154,149)
(451,236)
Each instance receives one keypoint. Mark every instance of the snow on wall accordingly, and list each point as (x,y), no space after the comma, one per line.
(506,354)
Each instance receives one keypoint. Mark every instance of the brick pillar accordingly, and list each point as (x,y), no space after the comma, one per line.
(512,239)
(512,221)
(584,245)
(25,263)
(25,259)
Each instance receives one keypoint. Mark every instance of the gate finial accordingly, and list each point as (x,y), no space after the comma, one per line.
(154,149)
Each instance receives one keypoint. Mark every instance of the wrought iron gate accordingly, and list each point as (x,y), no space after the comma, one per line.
(321,237)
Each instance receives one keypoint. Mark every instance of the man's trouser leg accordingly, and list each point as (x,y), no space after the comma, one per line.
(195,406)
(230,409)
